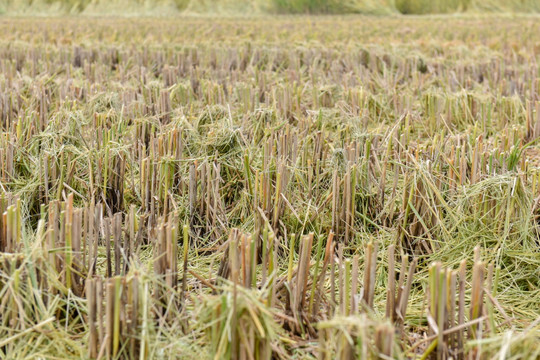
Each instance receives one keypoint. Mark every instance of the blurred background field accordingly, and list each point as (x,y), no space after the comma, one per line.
(259,7)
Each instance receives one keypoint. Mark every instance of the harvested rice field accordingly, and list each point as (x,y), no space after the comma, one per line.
(270,187)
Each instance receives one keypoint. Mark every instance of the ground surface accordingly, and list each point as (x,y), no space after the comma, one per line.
(257,187)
